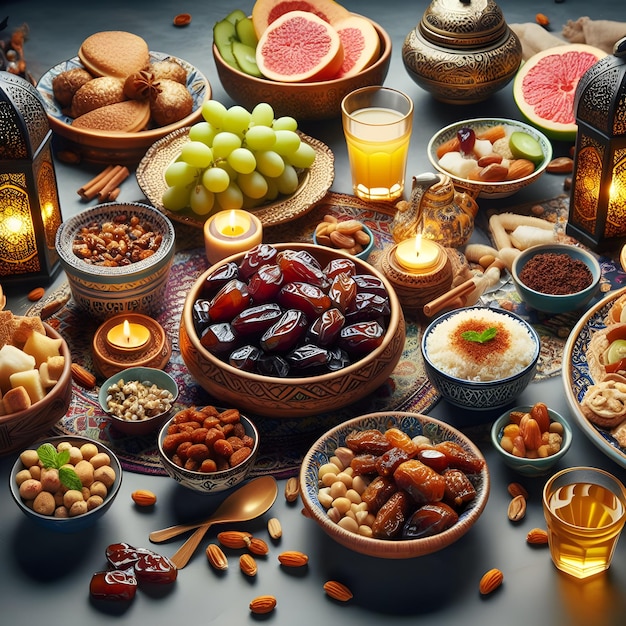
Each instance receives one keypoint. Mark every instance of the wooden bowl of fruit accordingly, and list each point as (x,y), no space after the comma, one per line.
(250,72)
(490,157)
(272,342)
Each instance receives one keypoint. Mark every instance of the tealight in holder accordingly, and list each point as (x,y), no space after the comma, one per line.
(417,286)
(144,344)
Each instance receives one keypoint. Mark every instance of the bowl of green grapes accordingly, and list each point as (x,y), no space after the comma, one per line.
(235,158)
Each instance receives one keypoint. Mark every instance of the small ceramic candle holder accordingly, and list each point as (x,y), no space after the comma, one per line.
(129,340)
(417,286)
(230,232)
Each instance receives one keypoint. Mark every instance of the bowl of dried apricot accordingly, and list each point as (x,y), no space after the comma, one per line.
(394,485)
(531,439)
(208,449)
(490,157)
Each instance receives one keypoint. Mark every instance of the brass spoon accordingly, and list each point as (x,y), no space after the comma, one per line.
(248,502)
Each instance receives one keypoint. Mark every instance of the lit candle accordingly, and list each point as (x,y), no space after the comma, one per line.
(418,255)
(230,232)
(128,336)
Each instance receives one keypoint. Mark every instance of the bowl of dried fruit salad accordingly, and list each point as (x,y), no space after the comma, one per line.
(394,485)
(490,157)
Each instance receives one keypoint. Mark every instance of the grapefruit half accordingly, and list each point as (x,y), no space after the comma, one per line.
(545,86)
(299,47)
(264,12)
(361,44)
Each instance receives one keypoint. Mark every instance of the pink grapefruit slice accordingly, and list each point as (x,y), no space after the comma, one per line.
(264,12)
(299,47)
(545,86)
(361,44)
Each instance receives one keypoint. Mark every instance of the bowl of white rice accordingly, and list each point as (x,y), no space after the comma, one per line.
(480,358)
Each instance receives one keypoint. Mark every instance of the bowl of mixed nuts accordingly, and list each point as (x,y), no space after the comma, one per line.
(117,257)
(138,399)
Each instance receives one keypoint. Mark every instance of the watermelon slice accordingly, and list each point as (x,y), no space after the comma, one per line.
(545,86)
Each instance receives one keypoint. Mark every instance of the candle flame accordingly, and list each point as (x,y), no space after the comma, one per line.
(418,244)
(232,220)
(126,331)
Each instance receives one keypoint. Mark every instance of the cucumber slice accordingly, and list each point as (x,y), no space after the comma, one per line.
(224,34)
(525,146)
(246,33)
(245,57)
(235,16)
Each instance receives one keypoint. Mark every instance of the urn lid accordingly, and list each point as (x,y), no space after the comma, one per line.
(463,23)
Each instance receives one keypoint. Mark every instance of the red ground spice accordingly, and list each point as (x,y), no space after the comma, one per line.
(476,351)
(556,274)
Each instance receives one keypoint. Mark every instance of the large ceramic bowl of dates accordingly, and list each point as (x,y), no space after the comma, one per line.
(394,485)
(65,483)
(490,157)
(291,330)
(556,277)
(208,449)
(117,258)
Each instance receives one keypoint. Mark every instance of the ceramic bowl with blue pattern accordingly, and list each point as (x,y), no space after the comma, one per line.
(481,394)
(104,291)
(102,147)
(413,425)
(210,482)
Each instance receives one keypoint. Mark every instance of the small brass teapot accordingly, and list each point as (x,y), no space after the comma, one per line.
(462,51)
(437,210)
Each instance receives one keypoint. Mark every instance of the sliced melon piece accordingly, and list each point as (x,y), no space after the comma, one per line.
(245,32)
(235,16)
(245,56)
(545,86)
(299,46)
(224,34)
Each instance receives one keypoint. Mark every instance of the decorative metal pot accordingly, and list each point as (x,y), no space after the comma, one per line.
(462,51)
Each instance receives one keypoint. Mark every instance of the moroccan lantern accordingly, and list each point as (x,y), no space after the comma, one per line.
(29,203)
(597,214)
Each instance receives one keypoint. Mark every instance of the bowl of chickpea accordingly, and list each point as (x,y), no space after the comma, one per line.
(531,439)
(65,483)
(394,485)
(117,257)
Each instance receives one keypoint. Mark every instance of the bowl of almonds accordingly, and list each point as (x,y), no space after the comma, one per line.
(490,157)
(350,235)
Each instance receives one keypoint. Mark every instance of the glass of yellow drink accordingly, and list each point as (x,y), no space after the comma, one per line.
(585,510)
(377,123)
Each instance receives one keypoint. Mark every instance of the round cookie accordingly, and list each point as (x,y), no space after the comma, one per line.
(114,53)
(129,116)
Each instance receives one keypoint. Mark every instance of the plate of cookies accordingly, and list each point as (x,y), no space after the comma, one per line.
(113,100)
(594,375)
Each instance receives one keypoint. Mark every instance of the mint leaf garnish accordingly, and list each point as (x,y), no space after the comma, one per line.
(50,458)
(476,337)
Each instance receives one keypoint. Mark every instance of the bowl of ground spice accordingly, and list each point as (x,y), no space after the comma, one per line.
(556,277)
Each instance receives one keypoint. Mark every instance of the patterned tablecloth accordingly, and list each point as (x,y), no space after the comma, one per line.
(284,441)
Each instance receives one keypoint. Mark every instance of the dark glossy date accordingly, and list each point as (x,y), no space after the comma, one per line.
(219,338)
(422,483)
(229,301)
(113,585)
(283,335)
(255,320)
(326,328)
(339,266)
(155,569)
(368,441)
(255,258)
(430,519)
(273,365)
(265,284)
(343,292)
(308,356)
(361,338)
(218,278)
(309,299)
(392,515)
(245,358)
(367,306)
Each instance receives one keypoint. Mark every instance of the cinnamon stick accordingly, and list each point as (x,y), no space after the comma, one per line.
(448,298)
(121,175)
(95,183)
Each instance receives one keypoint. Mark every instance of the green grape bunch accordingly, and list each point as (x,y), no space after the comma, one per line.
(236,159)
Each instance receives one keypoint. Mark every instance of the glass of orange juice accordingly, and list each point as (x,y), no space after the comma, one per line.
(585,510)
(377,123)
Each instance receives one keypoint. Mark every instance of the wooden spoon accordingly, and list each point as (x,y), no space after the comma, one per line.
(248,502)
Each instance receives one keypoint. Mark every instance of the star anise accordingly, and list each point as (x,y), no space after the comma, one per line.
(142,85)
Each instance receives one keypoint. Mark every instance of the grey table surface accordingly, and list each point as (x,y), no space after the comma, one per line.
(45,577)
